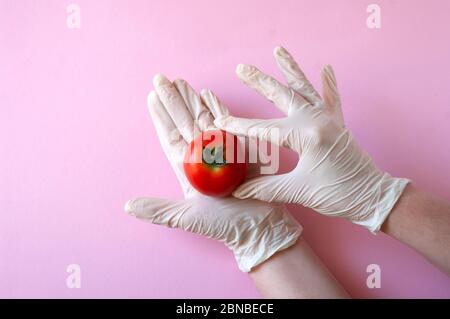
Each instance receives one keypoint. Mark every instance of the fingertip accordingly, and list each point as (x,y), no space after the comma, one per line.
(276,50)
(160,80)
(281,52)
(183,87)
(328,76)
(180,81)
(128,207)
(327,69)
(208,98)
(157,78)
(245,69)
(206,93)
(240,68)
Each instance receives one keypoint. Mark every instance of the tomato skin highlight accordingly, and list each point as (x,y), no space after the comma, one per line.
(214,179)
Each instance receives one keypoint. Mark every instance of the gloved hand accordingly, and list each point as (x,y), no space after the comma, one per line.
(252,229)
(334,176)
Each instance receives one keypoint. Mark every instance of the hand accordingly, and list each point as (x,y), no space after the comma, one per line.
(253,230)
(334,176)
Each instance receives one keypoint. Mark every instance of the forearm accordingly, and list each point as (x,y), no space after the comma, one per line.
(296,272)
(422,222)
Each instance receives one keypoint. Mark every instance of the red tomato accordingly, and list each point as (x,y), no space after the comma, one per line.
(210,167)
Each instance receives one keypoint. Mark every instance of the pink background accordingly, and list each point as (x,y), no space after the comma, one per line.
(76,141)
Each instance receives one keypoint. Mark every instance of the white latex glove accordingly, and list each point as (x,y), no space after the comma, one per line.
(252,229)
(334,176)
